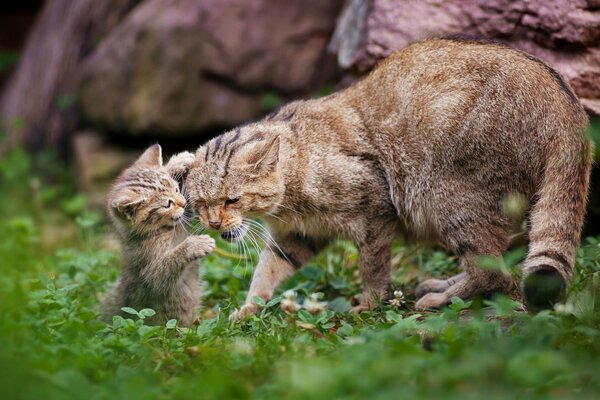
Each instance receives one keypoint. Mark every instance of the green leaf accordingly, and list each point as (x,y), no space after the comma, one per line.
(171,324)
(274,301)
(74,205)
(130,310)
(459,304)
(339,305)
(147,312)
(345,330)
(259,301)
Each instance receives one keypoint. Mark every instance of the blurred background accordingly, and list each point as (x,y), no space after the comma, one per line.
(97,81)
(85,85)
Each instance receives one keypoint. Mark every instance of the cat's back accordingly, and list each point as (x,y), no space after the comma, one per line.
(451,76)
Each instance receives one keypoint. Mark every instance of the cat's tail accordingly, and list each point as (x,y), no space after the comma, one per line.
(556,220)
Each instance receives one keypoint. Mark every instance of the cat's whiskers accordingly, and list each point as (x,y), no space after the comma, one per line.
(253,240)
(276,217)
(289,208)
(264,234)
(244,249)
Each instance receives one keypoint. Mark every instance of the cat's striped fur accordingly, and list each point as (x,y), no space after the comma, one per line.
(430,144)
(159,272)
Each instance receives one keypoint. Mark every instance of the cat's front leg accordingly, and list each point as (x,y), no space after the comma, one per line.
(375,259)
(274,266)
(270,271)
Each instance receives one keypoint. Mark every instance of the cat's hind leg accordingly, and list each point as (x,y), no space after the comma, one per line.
(476,282)
(473,237)
(434,285)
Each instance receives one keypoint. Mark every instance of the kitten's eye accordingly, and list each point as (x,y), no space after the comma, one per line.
(169,203)
(176,190)
(233,200)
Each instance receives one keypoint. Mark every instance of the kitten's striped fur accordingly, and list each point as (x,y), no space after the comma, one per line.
(145,206)
(430,144)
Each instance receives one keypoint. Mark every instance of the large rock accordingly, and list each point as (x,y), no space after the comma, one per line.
(565,34)
(37,105)
(97,163)
(179,66)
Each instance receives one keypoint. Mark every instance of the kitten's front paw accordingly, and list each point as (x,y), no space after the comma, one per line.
(180,164)
(247,310)
(200,245)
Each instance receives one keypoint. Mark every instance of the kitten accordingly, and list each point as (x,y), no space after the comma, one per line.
(430,145)
(144,205)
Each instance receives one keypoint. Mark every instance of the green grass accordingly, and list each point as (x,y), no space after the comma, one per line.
(57,260)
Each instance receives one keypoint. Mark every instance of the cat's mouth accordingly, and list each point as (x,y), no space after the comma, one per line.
(235,234)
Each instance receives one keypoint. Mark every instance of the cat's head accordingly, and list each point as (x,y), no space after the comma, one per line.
(237,176)
(145,198)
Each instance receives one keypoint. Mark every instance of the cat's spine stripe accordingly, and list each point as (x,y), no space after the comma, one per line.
(226,167)
(233,139)
(217,145)
(560,80)
(485,41)
(254,138)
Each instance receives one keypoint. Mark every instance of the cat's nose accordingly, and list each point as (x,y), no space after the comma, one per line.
(214,224)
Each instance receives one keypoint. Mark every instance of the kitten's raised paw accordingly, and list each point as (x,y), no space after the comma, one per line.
(432,301)
(200,245)
(180,163)
(247,310)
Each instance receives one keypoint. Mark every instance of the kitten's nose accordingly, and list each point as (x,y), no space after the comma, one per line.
(180,200)
(214,224)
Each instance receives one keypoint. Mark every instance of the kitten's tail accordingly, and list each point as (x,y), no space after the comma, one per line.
(556,220)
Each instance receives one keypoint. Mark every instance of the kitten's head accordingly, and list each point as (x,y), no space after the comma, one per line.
(145,198)
(236,176)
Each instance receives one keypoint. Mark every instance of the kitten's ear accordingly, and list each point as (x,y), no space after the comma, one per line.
(267,157)
(151,158)
(125,207)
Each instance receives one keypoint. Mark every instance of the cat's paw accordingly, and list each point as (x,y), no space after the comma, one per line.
(432,301)
(431,286)
(247,310)
(360,308)
(180,164)
(200,245)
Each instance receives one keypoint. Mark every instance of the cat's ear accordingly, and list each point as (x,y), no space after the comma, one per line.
(267,156)
(151,158)
(125,207)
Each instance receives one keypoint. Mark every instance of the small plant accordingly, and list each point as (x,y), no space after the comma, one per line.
(305,343)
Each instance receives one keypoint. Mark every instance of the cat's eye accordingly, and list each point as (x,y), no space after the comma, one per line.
(169,203)
(232,200)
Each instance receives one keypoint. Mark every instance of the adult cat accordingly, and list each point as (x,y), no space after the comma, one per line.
(430,144)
